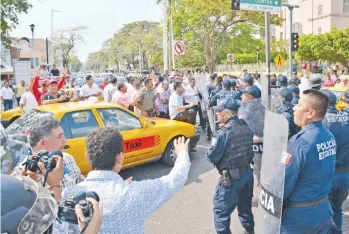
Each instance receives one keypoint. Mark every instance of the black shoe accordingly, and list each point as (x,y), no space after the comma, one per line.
(193,150)
(209,138)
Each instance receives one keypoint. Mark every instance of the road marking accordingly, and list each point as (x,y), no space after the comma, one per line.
(202,146)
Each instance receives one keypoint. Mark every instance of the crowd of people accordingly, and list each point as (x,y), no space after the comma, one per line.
(317,163)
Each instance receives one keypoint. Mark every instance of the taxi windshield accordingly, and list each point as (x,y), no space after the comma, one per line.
(23,123)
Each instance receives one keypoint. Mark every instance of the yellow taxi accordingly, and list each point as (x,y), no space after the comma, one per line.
(145,140)
(339,92)
(8,117)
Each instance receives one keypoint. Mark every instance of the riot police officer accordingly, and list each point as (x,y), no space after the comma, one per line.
(286,109)
(218,86)
(338,123)
(310,164)
(236,94)
(211,85)
(282,80)
(252,112)
(316,81)
(231,153)
(223,94)
(295,91)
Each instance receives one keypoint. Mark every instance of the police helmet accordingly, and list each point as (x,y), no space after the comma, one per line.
(315,81)
(226,83)
(248,78)
(332,99)
(287,94)
(25,207)
(295,89)
(213,76)
(282,79)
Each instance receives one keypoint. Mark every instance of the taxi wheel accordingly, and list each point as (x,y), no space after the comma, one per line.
(169,156)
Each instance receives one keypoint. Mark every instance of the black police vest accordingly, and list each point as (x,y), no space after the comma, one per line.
(238,151)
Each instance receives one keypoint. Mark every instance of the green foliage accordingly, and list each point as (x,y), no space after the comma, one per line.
(9,20)
(75,64)
(332,46)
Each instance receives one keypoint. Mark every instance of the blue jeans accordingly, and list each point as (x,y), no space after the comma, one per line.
(308,220)
(338,194)
(227,198)
(8,104)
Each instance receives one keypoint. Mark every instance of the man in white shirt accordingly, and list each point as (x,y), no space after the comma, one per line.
(7,96)
(177,110)
(191,93)
(131,90)
(89,89)
(44,72)
(110,89)
(126,205)
(27,102)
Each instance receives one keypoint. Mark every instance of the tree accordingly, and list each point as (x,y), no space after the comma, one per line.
(66,40)
(332,46)
(212,22)
(9,20)
(75,63)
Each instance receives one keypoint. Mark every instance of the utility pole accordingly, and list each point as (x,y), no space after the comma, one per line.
(267,51)
(171,32)
(165,40)
(290,9)
(52,59)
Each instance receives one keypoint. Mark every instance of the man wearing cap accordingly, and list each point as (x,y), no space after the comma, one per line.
(218,86)
(282,80)
(231,153)
(211,85)
(338,124)
(295,91)
(34,86)
(52,95)
(252,112)
(248,80)
(223,94)
(316,81)
(286,109)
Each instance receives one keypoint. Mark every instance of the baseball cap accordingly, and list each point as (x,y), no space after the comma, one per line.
(12,151)
(287,94)
(282,79)
(294,72)
(332,99)
(229,104)
(248,78)
(226,83)
(253,91)
(295,89)
(233,83)
(315,81)
(53,81)
(213,76)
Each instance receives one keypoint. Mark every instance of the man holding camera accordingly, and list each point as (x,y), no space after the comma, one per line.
(127,205)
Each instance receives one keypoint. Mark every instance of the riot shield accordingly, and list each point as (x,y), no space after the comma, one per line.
(201,84)
(272,172)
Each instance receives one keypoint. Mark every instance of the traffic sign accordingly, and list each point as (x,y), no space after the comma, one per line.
(279,60)
(230,58)
(257,5)
(179,47)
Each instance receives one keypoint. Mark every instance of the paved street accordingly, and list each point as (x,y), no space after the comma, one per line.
(190,210)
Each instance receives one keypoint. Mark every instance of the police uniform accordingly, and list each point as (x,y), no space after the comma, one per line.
(282,80)
(338,123)
(231,153)
(252,112)
(12,152)
(286,109)
(310,163)
(225,93)
(295,91)
(210,88)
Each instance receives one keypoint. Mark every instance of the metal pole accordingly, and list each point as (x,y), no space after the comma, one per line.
(52,59)
(290,42)
(33,46)
(47,61)
(165,44)
(258,61)
(172,52)
(267,53)
(179,61)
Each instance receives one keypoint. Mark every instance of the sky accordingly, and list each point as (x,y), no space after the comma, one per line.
(102,17)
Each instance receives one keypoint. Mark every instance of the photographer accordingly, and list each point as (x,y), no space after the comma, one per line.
(47,134)
(127,205)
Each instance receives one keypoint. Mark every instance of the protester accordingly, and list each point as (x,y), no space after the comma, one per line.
(54,70)
(110,89)
(44,72)
(146,100)
(20,90)
(334,76)
(104,83)
(27,102)
(52,95)
(120,97)
(329,82)
(34,86)
(131,87)
(162,98)
(343,82)
(127,205)
(304,68)
(138,86)
(177,110)
(90,89)
(7,96)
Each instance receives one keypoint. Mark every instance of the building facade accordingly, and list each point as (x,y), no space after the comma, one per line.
(314,17)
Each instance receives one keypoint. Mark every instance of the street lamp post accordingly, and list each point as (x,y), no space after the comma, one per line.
(32,26)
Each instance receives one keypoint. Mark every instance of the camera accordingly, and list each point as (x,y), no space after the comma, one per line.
(66,210)
(44,156)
